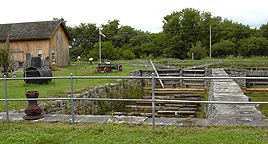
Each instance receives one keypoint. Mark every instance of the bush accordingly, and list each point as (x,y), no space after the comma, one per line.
(222,49)
(198,51)
(127,54)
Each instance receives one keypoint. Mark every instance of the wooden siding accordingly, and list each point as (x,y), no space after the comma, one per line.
(61,46)
(19,49)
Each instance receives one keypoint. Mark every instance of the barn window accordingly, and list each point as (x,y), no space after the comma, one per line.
(53,56)
(57,37)
(39,53)
(61,36)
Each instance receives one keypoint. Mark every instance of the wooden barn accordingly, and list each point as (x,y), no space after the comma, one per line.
(46,39)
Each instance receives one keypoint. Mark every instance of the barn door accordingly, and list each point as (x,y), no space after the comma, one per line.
(28,58)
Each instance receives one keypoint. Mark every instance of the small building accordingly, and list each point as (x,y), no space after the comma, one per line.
(46,39)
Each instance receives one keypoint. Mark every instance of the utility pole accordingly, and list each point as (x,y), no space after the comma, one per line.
(210,42)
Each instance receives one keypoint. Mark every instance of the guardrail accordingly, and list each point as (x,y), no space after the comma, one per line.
(216,64)
(153,100)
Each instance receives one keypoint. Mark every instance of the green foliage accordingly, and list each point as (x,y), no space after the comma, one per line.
(150,57)
(107,51)
(198,51)
(128,54)
(5,57)
(261,97)
(181,30)
(264,30)
(223,49)
(84,38)
(253,46)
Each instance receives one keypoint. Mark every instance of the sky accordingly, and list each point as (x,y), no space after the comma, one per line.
(145,15)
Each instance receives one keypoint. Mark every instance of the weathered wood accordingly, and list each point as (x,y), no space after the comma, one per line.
(174,97)
(157,73)
(194,75)
(181,105)
(61,46)
(157,108)
(176,112)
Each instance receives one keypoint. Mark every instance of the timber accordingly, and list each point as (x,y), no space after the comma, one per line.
(38,39)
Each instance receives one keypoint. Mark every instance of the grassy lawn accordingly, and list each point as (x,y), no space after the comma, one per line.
(37,132)
(260,97)
(56,88)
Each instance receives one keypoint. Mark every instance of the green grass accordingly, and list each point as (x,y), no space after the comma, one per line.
(40,132)
(56,88)
(260,97)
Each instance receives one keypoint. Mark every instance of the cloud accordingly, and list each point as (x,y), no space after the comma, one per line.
(146,15)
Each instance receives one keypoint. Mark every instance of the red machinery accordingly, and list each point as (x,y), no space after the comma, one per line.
(107,67)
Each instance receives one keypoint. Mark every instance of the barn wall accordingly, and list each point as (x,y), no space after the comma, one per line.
(19,49)
(61,46)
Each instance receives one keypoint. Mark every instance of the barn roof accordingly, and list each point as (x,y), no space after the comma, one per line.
(30,30)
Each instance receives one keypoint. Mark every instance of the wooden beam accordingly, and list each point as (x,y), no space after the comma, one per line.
(157,73)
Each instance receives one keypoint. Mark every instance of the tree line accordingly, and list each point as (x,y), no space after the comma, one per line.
(183,33)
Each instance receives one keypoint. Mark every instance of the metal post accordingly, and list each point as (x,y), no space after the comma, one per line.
(25,80)
(72,100)
(162,84)
(99,46)
(54,79)
(6,100)
(153,103)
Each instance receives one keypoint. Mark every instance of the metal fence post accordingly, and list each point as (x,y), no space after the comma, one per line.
(72,100)
(7,117)
(153,104)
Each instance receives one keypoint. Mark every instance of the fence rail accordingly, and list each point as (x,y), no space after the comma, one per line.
(153,100)
(216,64)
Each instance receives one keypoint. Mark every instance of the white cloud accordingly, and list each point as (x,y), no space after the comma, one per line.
(146,15)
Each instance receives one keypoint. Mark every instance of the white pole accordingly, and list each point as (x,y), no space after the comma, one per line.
(100,46)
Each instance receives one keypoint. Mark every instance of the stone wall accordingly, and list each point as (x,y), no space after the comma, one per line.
(122,89)
(234,114)
(234,72)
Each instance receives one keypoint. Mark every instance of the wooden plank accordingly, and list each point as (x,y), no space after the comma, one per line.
(181,105)
(194,75)
(157,73)
(176,112)
(182,89)
(139,107)
(204,65)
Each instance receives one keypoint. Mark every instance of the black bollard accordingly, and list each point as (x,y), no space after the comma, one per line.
(33,111)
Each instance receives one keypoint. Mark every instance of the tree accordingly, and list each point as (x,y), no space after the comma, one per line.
(198,51)
(5,57)
(144,50)
(60,19)
(176,48)
(264,30)
(222,49)
(123,36)
(185,28)
(111,29)
(84,38)
(107,51)
(128,54)
(253,46)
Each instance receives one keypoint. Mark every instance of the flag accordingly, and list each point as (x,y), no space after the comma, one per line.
(100,33)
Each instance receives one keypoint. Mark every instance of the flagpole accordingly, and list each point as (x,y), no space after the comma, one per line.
(100,46)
